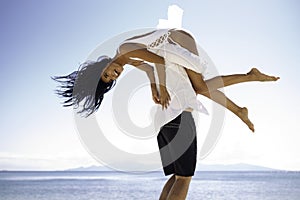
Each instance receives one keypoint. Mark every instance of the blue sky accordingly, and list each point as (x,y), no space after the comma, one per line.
(44,38)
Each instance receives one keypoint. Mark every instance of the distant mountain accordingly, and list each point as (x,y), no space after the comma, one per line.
(232,167)
(200,167)
(91,168)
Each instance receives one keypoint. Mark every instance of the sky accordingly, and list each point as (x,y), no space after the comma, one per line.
(40,39)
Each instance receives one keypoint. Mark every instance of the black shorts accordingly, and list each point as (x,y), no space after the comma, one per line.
(178,145)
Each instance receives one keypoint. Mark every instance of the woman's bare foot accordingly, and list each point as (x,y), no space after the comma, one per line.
(258,76)
(243,115)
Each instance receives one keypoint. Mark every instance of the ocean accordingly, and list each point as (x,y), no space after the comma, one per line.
(73,185)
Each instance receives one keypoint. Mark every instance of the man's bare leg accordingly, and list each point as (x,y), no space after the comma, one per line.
(180,188)
(167,187)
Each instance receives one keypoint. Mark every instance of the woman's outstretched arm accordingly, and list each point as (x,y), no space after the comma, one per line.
(130,50)
(157,98)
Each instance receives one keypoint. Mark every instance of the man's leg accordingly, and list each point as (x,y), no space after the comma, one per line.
(165,192)
(177,186)
(180,188)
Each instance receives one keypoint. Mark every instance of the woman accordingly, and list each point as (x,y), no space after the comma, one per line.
(168,49)
(155,47)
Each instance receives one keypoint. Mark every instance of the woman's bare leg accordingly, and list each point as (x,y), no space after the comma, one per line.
(167,187)
(242,113)
(223,81)
(186,41)
(202,88)
(209,88)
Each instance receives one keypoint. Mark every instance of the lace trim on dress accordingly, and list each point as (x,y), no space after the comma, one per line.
(161,40)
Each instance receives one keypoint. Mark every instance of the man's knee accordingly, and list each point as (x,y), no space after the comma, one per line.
(183,178)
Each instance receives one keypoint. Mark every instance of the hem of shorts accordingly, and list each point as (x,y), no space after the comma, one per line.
(172,173)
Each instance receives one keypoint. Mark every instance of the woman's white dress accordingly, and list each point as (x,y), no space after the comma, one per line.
(178,84)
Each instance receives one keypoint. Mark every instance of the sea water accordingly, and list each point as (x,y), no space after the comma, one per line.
(73,185)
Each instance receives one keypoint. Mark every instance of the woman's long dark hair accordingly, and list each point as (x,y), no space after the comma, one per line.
(84,85)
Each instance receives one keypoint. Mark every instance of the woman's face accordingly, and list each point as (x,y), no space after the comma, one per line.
(111,72)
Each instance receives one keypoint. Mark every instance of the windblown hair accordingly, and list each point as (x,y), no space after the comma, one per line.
(84,85)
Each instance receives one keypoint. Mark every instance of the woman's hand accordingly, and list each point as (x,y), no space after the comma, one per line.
(155,94)
(164,98)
